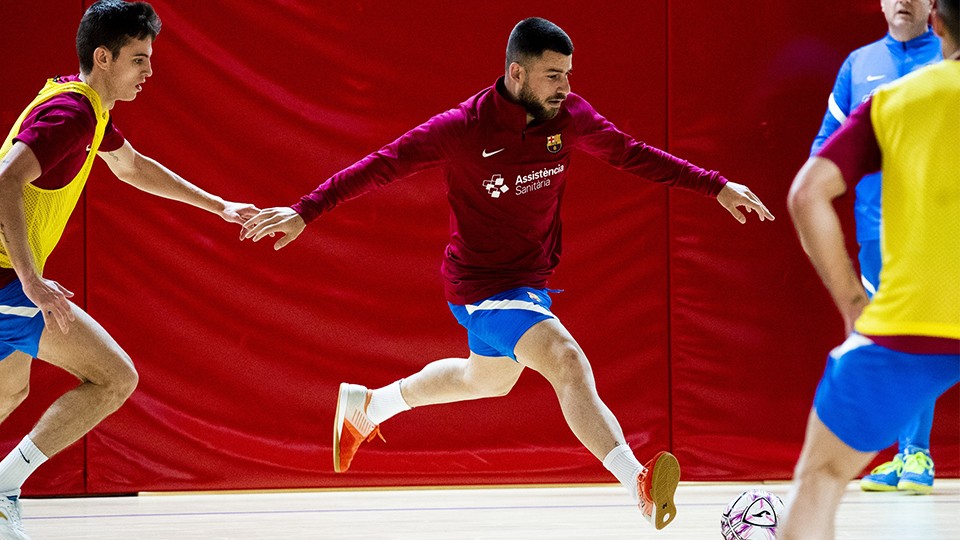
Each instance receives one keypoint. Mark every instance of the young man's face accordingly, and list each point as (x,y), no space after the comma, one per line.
(908,15)
(545,84)
(127,73)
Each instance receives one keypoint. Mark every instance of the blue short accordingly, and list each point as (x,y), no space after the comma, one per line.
(496,324)
(868,393)
(20,321)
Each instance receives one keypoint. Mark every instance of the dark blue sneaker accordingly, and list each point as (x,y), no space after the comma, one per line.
(884,477)
(917,476)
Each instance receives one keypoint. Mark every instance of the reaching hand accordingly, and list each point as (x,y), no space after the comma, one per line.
(238,212)
(734,195)
(281,219)
(51,298)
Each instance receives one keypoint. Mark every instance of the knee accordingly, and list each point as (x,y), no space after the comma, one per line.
(822,472)
(122,381)
(127,381)
(570,366)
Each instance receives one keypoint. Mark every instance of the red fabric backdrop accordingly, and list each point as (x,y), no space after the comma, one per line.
(706,337)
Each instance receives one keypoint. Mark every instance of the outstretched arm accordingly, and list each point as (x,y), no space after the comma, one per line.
(423,147)
(148,175)
(603,140)
(18,168)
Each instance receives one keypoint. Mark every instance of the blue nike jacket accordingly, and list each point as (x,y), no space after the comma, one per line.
(863,71)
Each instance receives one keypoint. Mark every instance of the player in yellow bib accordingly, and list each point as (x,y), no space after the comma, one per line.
(44,163)
(47,210)
(904,346)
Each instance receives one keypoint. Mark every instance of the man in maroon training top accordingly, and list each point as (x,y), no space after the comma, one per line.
(506,152)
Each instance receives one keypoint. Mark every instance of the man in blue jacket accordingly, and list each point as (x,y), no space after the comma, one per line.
(908,45)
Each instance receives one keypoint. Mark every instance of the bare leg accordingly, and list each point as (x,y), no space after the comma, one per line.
(14,382)
(443,381)
(107,378)
(825,467)
(461,379)
(549,349)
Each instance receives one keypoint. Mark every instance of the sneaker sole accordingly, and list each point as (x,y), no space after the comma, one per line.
(867,485)
(916,489)
(663,485)
(338,426)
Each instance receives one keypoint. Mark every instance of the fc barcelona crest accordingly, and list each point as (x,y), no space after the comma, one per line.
(554,144)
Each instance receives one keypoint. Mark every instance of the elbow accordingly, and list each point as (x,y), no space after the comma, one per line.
(813,186)
(805,201)
(801,205)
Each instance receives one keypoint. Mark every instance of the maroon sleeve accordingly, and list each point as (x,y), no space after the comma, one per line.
(423,147)
(112,138)
(603,140)
(854,147)
(55,130)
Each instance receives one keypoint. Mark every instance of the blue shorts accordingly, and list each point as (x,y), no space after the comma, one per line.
(20,321)
(868,393)
(496,324)
(870,263)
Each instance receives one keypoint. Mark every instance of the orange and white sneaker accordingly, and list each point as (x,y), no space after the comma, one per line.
(351,427)
(656,485)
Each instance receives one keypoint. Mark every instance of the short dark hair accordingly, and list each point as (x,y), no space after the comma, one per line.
(531,37)
(949,13)
(111,24)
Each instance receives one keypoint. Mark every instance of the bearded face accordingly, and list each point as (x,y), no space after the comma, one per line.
(540,109)
(544,85)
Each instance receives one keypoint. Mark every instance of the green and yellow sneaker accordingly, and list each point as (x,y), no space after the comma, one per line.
(884,477)
(917,475)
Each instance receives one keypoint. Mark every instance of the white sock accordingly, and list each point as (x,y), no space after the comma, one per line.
(19,465)
(624,465)
(386,402)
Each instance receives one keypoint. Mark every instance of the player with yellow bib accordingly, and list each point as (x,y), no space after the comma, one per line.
(904,347)
(44,164)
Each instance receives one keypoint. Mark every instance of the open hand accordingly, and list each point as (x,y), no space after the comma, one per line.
(735,195)
(51,298)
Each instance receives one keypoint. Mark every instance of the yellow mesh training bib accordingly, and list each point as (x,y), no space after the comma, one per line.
(917,124)
(47,210)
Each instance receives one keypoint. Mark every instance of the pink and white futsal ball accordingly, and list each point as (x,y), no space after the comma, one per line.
(752,515)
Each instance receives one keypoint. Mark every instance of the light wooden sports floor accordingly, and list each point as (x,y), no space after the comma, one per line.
(581,512)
